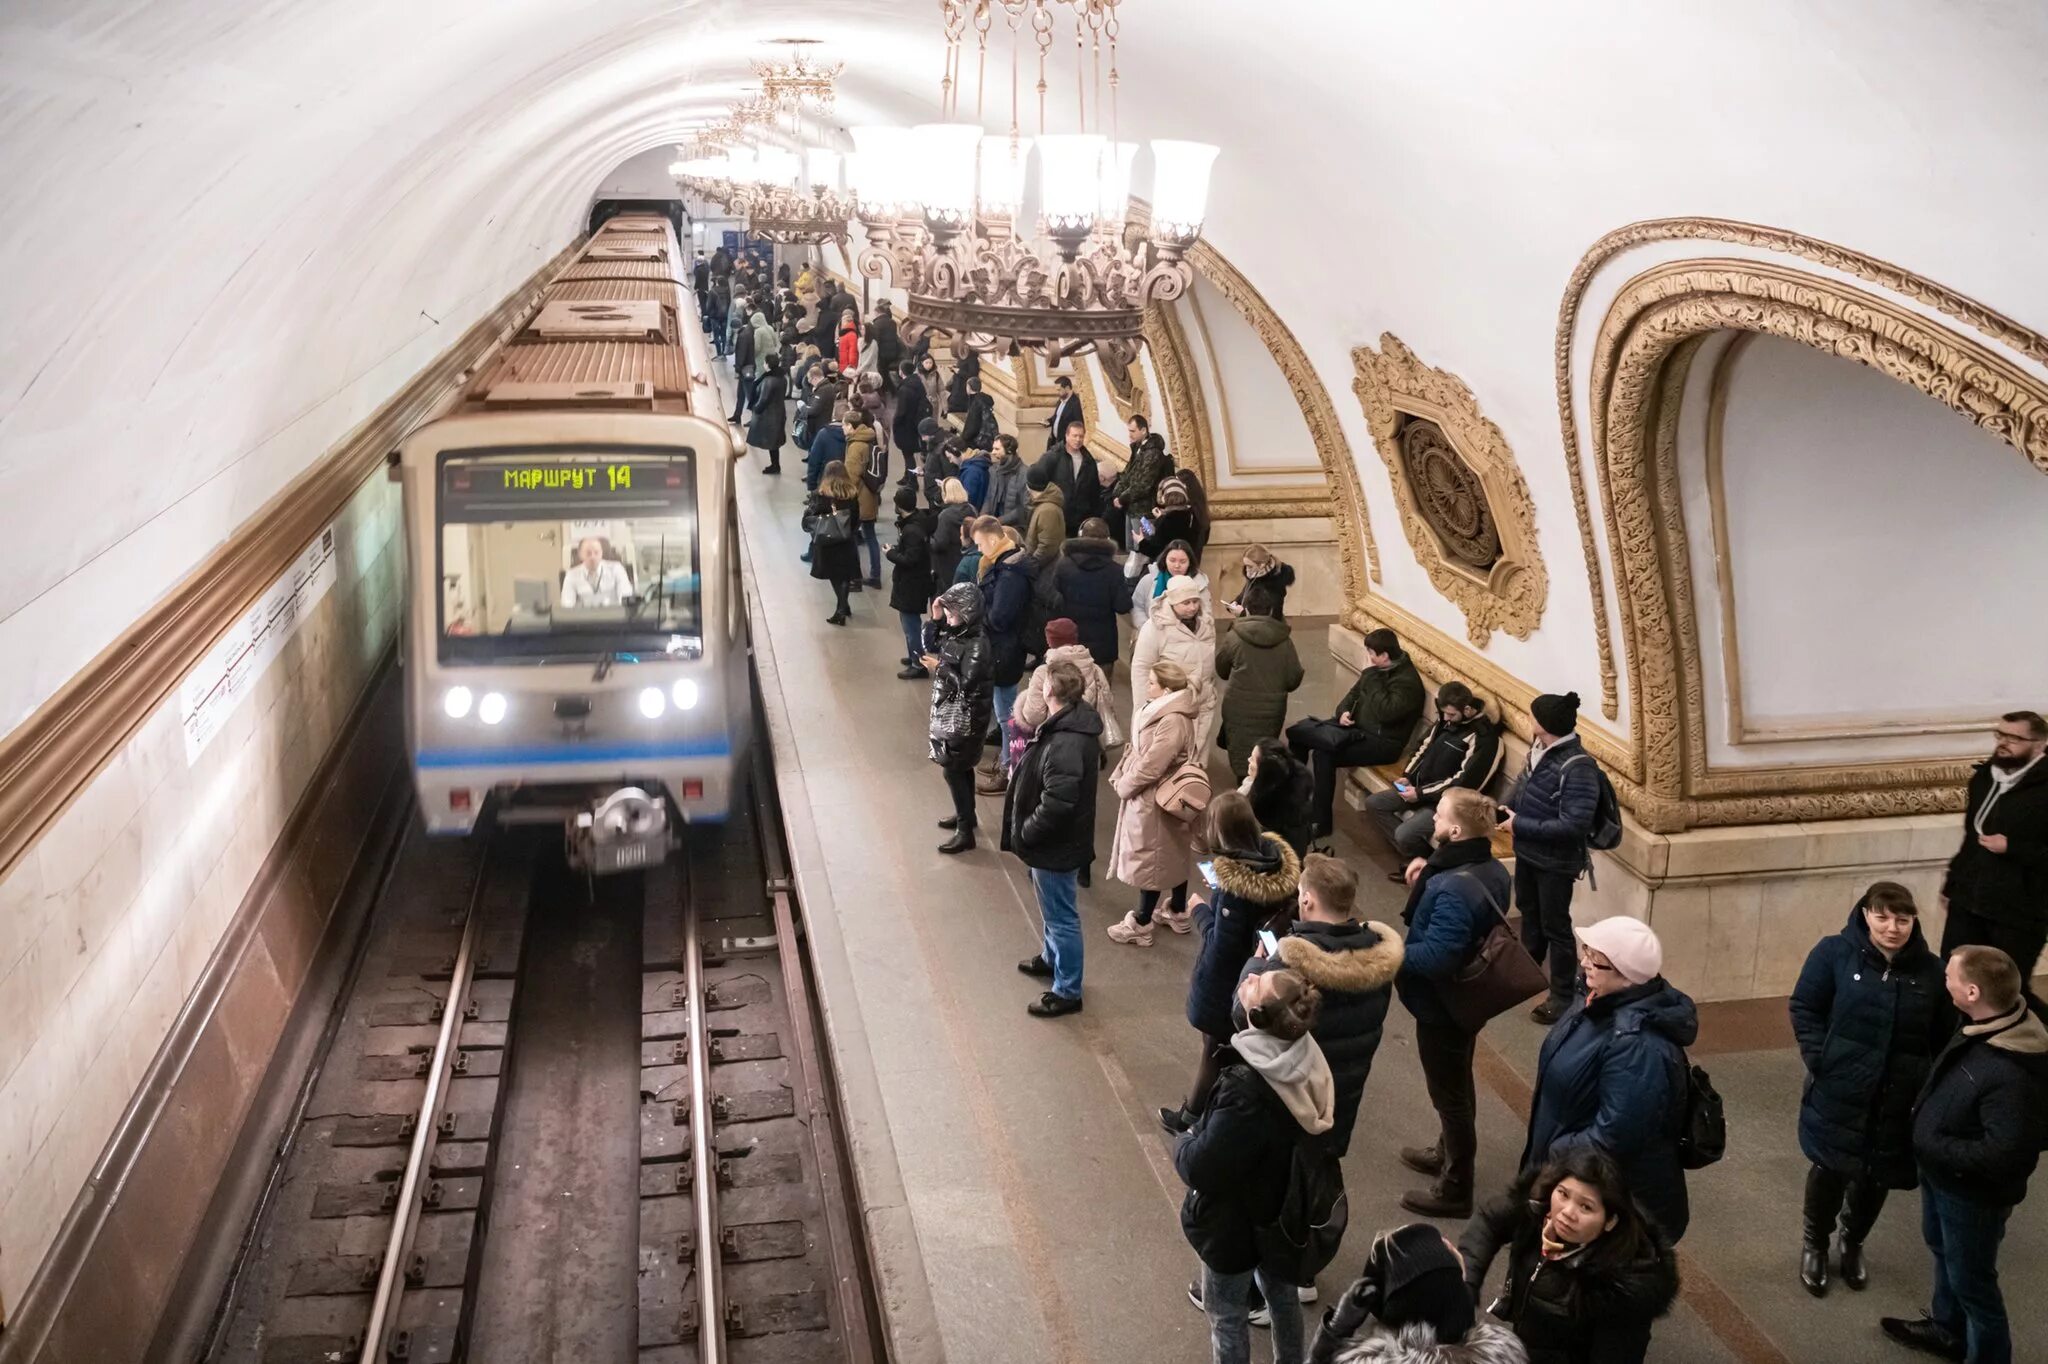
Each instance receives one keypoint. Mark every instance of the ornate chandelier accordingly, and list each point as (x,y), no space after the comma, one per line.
(787,198)
(940,203)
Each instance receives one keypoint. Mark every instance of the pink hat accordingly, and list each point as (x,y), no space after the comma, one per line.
(1629,944)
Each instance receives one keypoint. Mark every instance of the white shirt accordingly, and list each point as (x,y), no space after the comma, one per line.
(609,586)
(2001,782)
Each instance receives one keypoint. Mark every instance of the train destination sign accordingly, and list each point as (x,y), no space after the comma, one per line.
(498,485)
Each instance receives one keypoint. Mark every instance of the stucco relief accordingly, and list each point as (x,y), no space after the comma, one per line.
(1644,346)
(1464,504)
(1981,317)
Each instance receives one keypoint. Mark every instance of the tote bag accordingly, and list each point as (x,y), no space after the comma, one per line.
(1500,975)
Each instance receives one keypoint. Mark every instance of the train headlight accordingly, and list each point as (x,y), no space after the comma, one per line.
(456,702)
(653,703)
(684,693)
(491,709)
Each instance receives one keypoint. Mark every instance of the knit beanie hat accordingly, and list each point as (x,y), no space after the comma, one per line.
(1180,589)
(1036,479)
(1423,1281)
(1060,632)
(1629,943)
(1558,715)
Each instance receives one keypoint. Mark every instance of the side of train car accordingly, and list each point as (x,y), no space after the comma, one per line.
(575,647)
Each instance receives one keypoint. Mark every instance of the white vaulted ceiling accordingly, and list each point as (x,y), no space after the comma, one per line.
(233,228)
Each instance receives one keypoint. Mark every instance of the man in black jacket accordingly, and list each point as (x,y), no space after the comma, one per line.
(1371,726)
(1067,409)
(1093,591)
(1978,1131)
(742,367)
(1551,814)
(978,427)
(1459,750)
(1996,893)
(1049,822)
(1071,465)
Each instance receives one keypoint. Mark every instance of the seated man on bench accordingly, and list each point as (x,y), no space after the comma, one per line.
(1371,727)
(1462,748)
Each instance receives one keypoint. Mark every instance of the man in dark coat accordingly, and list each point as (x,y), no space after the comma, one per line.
(1071,465)
(1454,900)
(1353,964)
(1049,822)
(1978,1130)
(1550,815)
(912,409)
(910,580)
(1870,1013)
(1461,749)
(1006,581)
(978,427)
(1613,1072)
(1132,492)
(1997,885)
(1094,592)
(888,341)
(743,371)
(1067,409)
(1371,726)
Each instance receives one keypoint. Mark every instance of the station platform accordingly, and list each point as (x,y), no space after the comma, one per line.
(1019,1190)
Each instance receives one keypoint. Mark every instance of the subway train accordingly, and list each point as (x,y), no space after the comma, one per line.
(575,647)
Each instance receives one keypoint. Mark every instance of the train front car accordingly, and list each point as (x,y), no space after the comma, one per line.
(574,653)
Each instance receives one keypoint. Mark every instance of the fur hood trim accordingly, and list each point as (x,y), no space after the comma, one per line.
(1488,1342)
(1261,887)
(1358,971)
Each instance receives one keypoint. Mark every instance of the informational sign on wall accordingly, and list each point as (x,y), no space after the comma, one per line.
(230,669)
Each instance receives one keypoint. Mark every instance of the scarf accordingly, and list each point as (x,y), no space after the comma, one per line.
(1552,1246)
(1464,852)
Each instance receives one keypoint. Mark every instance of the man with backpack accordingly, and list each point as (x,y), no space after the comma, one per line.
(1552,815)
(1259,1169)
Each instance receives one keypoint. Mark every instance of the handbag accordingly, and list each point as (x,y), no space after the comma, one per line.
(1184,791)
(1500,975)
(833,528)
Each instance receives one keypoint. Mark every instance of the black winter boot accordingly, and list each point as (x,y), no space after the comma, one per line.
(1823,1199)
(1864,1201)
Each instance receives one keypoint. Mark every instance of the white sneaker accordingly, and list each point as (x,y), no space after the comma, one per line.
(1179,920)
(1129,931)
(1306,1293)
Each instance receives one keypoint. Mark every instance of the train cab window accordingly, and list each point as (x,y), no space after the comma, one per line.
(556,556)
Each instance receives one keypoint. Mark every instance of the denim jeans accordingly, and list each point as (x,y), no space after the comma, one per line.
(867,533)
(1963,1237)
(1227,1297)
(1006,701)
(1056,895)
(913,637)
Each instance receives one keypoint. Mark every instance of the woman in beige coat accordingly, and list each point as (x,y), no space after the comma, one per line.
(1182,630)
(1152,848)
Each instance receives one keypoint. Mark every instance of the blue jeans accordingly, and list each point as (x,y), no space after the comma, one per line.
(1963,1237)
(1227,1300)
(1006,701)
(867,533)
(1056,894)
(913,637)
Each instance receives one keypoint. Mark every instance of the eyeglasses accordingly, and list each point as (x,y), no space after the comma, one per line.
(2003,737)
(1586,961)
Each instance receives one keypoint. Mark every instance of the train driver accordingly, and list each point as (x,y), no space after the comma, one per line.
(595,580)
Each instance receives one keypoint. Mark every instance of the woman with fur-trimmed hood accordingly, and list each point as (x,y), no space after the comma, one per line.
(1411,1305)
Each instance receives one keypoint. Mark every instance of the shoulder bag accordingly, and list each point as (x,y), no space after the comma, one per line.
(833,528)
(1500,975)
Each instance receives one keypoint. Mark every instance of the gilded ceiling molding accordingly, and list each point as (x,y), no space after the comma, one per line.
(1182,406)
(1645,345)
(1466,508)
(1962,308)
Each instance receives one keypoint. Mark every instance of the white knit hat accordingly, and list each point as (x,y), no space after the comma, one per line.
(1629,944)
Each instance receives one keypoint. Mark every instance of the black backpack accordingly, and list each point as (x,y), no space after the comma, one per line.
(1606,831)
(1704,1137)
(1302,1241)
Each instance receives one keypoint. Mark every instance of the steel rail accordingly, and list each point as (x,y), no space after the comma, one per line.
(703,1152)
(426,1135)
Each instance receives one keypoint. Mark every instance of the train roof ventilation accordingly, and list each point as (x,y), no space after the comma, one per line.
(651,249)
(597,320)
(603,393)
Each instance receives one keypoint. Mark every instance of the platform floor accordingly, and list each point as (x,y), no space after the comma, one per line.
(1035,1177)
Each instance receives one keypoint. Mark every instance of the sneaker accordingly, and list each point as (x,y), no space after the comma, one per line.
(1050,1005)
(1129,931)
(1177,1121)
(1179,920)
(1305,1293)
(1260,1315)
(1036,966)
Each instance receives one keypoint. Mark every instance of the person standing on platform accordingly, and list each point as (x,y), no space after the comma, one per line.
(1996,891)
(949,533)
(955,652)
(1460,750)
(978,425)
(1254,882)
(1046,530)
(1182,631)
(1613,1072)
(1870,1012)
(1066,409)
(887,341)
(739,334)
(966,366)
(769,429)
(1153,850)
(912,408)
(846,341)
(1454,899)
(910,578)
(1178,560)
(1260,668)
(1260,566)
(1278,787)
(1049,823)
(1238,1156)
(767,346)
(1072,466)
(974,467)
(1371,726)
(870,470)
(835,558)
(1005,579)
(1979,1127)
(1132,492)
(1093,590)
(1551,814)
(1008,495)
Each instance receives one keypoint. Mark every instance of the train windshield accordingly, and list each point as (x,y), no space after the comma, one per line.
(558,555)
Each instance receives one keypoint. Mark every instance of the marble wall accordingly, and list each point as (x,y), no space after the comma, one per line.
(108,923)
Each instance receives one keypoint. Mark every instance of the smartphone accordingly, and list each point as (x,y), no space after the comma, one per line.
(1269,942)
(1208,870)
(1401,784)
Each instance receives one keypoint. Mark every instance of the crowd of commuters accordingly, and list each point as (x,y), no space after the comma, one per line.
(1009,577)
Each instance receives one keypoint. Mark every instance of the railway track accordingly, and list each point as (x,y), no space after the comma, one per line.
(508,1152)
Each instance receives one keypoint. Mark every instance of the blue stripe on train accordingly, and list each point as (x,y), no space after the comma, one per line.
(531,757)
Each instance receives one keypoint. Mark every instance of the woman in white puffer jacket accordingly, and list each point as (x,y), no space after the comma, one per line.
(1182,629)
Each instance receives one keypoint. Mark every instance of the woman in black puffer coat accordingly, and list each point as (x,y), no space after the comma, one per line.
(1257,883)
(1587,1273)
(963,700)
(1280,787)
(1871,1012)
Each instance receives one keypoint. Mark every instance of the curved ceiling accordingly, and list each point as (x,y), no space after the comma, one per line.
(236,226)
